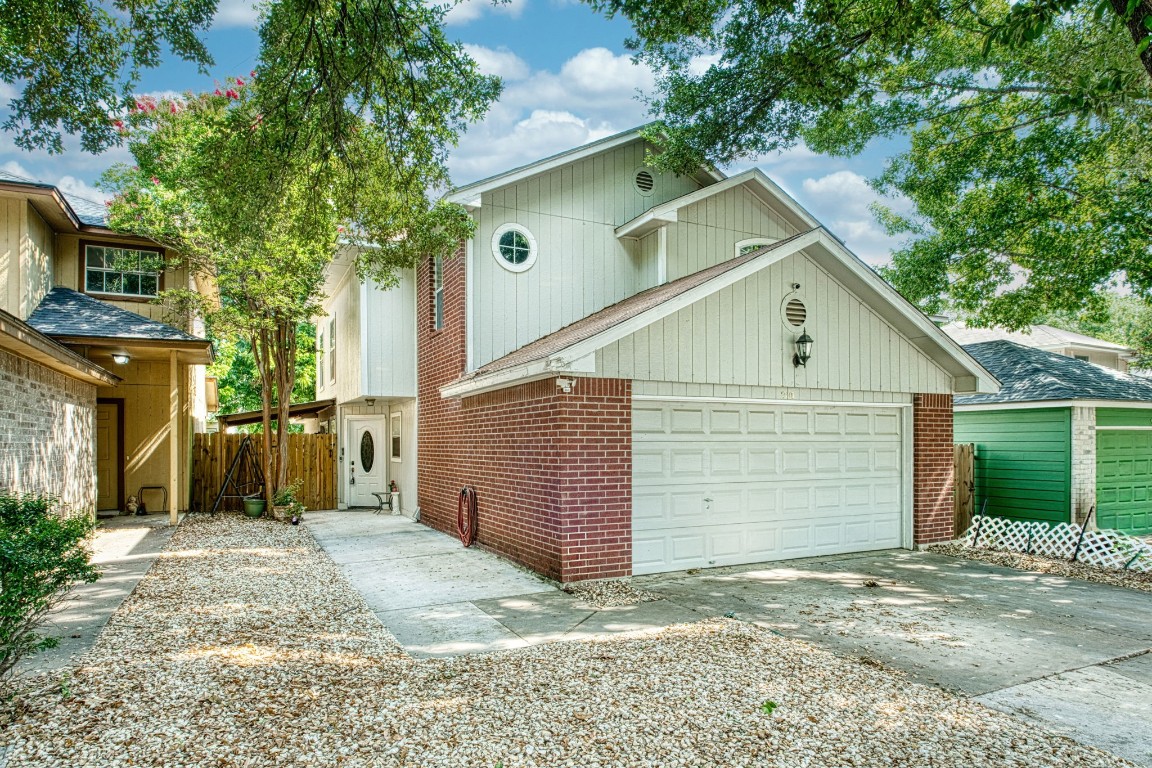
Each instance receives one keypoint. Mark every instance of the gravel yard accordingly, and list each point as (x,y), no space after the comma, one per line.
(1038,564)
(244,646)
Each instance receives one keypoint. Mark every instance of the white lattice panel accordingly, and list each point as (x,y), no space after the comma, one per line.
(1105,549)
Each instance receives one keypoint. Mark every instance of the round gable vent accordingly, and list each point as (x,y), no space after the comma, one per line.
(795,313)
(645,182)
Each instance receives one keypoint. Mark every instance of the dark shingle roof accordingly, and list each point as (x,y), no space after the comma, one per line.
(64,312)
(1027,374)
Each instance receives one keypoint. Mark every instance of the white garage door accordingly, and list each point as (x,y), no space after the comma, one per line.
(718,483)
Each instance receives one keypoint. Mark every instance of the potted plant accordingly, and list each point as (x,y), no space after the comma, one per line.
(254,506)
(285,506)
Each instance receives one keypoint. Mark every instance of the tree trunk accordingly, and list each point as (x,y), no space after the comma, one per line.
(285,352)
(1136,26)
(262,352)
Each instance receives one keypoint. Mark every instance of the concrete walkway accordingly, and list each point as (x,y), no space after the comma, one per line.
(439,599)
(124,548)
(1070,655)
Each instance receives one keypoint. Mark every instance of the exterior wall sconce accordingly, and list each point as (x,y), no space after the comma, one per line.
(565,385)
(803,350)
(369,401)
(121,358)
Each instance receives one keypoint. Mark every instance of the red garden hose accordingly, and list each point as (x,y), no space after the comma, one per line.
(466,515)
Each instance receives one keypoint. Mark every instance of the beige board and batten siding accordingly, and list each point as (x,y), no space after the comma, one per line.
(706,232)
(388,333)
(738,336)
(344,307)
(26,256)
(582,266)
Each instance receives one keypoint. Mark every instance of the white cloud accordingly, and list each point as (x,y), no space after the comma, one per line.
(502,63)
(236,13)
(594,94)
(16,169)
(466,11)
(74,187)
(847,191)
(842,200)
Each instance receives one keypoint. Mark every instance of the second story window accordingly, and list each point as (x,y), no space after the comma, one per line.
(121,271)
(320,359)
(438,293)
(332,349)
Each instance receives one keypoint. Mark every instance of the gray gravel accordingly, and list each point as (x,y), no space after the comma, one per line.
(1052,565)
(244,646)
(610,593)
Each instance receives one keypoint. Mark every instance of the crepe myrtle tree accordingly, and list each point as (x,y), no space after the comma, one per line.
(210,184)
(1028,161)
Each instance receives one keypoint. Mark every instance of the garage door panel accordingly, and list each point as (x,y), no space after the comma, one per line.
(763,482)
(646,419)
(1123,480)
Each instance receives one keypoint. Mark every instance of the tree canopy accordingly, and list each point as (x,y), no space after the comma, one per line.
(75,60)
(1028,162)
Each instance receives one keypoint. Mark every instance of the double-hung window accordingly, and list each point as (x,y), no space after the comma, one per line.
(116,270)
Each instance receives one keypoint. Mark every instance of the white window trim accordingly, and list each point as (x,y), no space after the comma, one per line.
(437,293)
(395,433)
(332,350)
(533,249)
(740,246)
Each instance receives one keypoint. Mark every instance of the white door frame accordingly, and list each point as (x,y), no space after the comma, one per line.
(352,452)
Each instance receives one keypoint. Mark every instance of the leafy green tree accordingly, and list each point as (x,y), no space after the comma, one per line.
(74,60)
(1028,164)
(239,382)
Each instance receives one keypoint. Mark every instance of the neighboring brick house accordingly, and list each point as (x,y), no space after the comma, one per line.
(98,396)
(613,363)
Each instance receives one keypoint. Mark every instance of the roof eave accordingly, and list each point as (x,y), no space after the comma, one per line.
(24,340)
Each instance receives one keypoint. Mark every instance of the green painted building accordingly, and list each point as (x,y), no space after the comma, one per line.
(1061,436)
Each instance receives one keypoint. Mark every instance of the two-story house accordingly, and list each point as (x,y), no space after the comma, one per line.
(640,372)
(99,396)
(1049,339)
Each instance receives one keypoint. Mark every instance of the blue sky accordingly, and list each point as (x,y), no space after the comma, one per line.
(568,80)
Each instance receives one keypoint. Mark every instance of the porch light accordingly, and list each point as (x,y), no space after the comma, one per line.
(369,401)
(803,350)
(120,358)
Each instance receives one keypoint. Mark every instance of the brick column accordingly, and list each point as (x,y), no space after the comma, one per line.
(1083,462)
(932,469)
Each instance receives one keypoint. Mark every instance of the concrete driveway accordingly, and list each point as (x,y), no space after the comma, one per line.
(1071,655)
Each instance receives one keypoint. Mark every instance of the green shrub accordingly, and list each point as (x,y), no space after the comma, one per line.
(41,557)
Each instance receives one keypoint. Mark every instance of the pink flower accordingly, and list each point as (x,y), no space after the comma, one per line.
(252,73)
(239,82)
(217,92)
(231,94)
(172,108)
(155,180)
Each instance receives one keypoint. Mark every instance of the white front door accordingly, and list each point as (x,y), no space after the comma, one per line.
(367,454)
(718,483)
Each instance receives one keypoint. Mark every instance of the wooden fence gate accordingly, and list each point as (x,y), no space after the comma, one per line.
(964,503)
(311,458)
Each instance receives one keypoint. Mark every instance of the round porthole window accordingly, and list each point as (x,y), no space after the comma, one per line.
(644,181)
(514,247)
(794,312)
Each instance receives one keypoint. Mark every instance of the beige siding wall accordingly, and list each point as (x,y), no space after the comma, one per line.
(582,267)
(671,389)
(68,273)
(707,232)
(36,262)
(389,330)
(145,391)
(26,257)
(738,337)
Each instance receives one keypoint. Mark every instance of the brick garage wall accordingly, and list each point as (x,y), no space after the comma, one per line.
(47,434)
(933,469)
(552,470)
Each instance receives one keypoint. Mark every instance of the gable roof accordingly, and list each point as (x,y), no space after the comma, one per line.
(1028,374)
(755,179)
(470,194)
(568,349)
(1038,336)
(65,313)
(18,337)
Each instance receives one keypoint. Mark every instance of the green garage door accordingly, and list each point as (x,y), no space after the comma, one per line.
(1124,480)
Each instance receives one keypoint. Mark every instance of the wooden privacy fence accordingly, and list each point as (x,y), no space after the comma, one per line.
(311,458)
(964,503)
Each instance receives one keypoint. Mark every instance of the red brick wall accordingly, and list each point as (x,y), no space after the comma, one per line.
(552,471)
(932,474)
